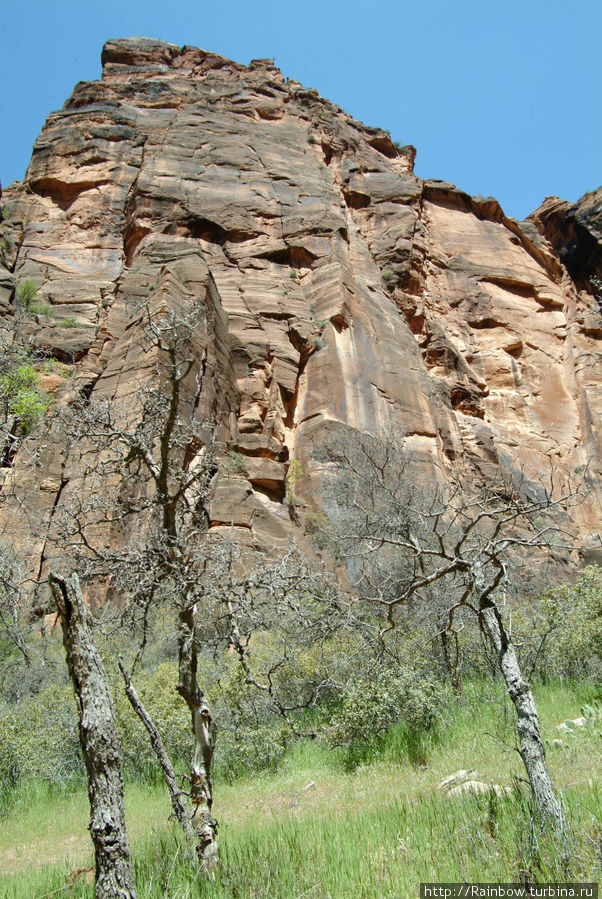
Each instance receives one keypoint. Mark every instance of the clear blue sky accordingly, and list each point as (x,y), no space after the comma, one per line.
(502,97)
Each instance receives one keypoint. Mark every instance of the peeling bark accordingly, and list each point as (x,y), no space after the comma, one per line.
(169,774)
(205,734)
(532,750)
(99,743)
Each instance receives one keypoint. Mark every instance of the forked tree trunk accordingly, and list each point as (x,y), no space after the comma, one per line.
(99,743)
(205,734)
(532,749)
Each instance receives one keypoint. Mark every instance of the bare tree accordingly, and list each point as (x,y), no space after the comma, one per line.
(136,517)
(99,743)
(133,523)
(228,595)
(403,533)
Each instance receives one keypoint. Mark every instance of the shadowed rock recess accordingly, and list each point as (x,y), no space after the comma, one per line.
(344,294)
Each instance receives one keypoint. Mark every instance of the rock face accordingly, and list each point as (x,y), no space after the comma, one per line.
(346,292)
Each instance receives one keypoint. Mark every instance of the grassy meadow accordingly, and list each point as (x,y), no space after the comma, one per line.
(322,828)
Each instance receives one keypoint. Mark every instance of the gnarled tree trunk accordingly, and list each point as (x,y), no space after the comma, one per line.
(532,749)
(99,743)
(205,733)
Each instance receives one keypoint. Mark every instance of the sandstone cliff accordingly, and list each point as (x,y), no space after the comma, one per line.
(345,291)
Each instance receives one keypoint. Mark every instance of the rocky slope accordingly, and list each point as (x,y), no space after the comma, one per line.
(345,291)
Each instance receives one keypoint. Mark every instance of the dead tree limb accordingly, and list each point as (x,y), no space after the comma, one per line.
(169,774)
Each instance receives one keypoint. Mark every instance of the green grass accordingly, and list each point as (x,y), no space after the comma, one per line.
(317,829)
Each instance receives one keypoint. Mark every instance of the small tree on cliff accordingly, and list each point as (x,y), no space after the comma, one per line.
(401,536)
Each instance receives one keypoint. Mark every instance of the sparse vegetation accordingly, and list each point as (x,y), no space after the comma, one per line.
(8,241)
(296,827)
(389,277)
(7,245)
(293,476)
(28,304)
(235,463)
(403,149)
(55,367)
(26,295)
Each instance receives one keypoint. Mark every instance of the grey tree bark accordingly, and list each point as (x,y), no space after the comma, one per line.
(169,775)
(167,447)
(205,734)
(532,750)
(99,743)
(405,538)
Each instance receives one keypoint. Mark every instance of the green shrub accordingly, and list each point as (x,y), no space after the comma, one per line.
(27,301)
(39,738)
(316,524)
(247,750)
(19,396)
(42,309)
(27,293)
(294,473)
(402,705)
(7,245)
(235,463)
(54,367)
(389,277)
(560,633)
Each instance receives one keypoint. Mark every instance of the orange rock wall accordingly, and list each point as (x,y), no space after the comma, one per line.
(344,290)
